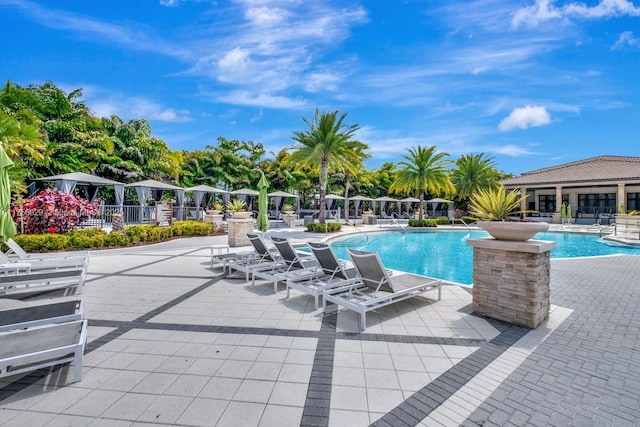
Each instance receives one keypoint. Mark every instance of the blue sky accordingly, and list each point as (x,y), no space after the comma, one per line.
(532,83)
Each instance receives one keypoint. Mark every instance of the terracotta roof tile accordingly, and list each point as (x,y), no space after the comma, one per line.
(601,168)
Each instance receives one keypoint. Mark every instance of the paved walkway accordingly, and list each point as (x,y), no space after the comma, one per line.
(175,342)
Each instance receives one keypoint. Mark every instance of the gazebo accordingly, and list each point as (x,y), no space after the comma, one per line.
(200,190)
(68,182)
(144,188)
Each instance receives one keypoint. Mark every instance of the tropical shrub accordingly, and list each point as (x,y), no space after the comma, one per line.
(51,211)
(94,238)
(495,204)
(428,222)
(327,227)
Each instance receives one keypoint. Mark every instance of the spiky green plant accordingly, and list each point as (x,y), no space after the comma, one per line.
(236,205)
(495,204)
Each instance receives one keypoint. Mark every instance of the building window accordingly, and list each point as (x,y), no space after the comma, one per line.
(547,203)
(633,202)
(597,203)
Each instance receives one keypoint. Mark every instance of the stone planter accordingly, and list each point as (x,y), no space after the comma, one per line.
(513,231)
(241,215)
(511,280)
(237,231)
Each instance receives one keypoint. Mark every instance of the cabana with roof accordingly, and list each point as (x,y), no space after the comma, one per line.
(199,191)
(68,182)
(144,188)
(594,188)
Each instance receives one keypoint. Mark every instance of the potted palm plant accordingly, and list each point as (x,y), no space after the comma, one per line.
(492,209)
(217,208)
(237,208)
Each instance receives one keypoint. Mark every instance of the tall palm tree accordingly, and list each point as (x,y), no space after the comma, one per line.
(351,169)
(474,172)
(326,143)
(423,170)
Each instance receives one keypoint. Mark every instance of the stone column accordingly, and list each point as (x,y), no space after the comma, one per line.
(557,215)
(523,203)
(237,231)
(622,196)
(511,280)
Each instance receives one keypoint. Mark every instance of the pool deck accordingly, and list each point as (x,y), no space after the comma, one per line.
(173,341)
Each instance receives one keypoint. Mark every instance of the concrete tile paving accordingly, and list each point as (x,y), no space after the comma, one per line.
(175,342)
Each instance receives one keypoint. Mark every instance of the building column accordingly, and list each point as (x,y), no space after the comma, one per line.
(523,203)
(557,218)
(622,197)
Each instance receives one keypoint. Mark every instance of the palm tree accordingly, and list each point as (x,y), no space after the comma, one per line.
(474,172)
(327,143)
(352,169)
(423,169)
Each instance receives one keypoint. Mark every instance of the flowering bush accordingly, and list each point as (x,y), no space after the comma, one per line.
(53,212)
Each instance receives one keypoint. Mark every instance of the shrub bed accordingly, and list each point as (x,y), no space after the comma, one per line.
(327,227)
(94,238)
(428,222)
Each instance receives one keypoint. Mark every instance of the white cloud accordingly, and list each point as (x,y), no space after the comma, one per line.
(262,100)
(545,10)
(135,37)
(511,150)
(129,107)
(627,39)
(525,117)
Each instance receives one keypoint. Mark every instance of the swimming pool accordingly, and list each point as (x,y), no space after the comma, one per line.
(445,254)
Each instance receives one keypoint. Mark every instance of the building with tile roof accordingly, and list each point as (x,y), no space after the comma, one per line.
(594,187)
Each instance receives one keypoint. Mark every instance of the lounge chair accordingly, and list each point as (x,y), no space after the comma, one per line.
(375,288)
(28,285)
(32,264)
(28,316)
(26,350)
(333,273)
(292,265)
(22,255)
(262,256)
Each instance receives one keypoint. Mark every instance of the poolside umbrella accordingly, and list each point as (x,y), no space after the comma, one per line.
(7,226)
(263,220)
(569,212)
(563,212)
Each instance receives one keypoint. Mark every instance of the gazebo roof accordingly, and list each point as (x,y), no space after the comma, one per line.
(153,184)
(206,189)
(80,178)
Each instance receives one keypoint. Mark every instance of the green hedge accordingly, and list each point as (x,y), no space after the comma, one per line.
(94,238)
(324,228)
(429,222)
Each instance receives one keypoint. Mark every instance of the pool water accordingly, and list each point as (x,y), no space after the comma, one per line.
(445,254)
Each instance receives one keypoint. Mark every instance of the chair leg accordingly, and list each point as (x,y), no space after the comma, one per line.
(363,321)
(316,296)
(77,366)
(275,286)
(439,292)
(289,292)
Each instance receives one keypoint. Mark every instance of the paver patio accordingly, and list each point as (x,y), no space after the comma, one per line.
(173,341)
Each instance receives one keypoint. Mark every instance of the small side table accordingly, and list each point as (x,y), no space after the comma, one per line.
(218,254)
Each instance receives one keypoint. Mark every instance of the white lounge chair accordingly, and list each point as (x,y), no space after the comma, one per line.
(33,264)
(28,316)
(63,258)
(375,288)
(262,256)
(32,284)
(292,265)
(332,273)
(27,350)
